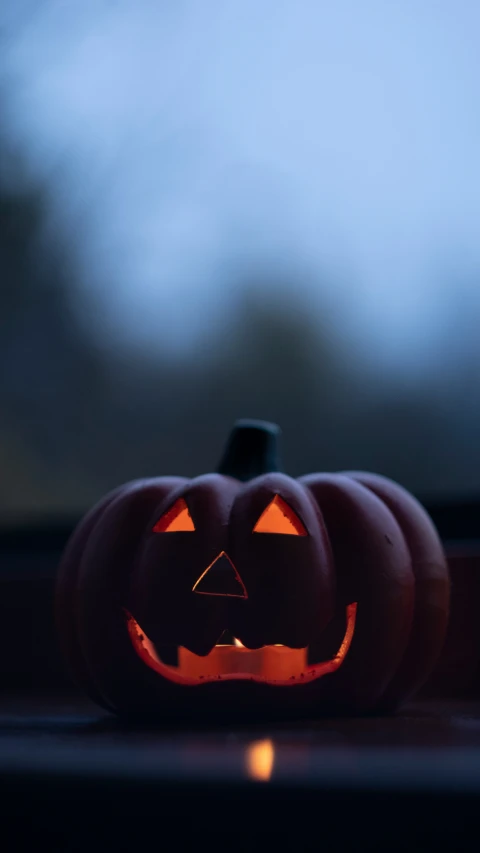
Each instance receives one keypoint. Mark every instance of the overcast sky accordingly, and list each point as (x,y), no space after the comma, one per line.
(189,136)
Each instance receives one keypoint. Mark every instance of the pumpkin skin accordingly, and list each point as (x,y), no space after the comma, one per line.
(457,672)
(366,548)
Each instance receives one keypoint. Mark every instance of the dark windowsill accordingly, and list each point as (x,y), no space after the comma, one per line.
(72,778)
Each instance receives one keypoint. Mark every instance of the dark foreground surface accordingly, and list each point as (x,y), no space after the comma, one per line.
(72,778)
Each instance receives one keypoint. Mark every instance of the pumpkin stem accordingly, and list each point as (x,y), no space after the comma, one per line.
(252,450)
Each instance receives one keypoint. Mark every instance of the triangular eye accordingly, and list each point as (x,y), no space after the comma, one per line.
(278,517)
(176,519)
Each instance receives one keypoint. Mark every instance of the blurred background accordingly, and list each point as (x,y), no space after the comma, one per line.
(212,210)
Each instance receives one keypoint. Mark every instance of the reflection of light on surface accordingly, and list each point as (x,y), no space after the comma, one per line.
(238,643)
(259,760)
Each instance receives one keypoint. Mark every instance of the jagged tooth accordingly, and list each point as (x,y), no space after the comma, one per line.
(226,639)
(167,653)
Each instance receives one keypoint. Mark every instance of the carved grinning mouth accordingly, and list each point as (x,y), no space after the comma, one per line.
(275,664)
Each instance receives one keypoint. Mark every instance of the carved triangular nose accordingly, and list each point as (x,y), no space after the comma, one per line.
(221,578)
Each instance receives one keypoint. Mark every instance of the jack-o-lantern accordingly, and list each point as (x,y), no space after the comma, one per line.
(252,594)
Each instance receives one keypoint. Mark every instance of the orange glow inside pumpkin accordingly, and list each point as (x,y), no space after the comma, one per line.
(176,520)
(275,664)
(279,517)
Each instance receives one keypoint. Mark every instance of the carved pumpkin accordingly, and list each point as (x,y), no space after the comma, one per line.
(249,593)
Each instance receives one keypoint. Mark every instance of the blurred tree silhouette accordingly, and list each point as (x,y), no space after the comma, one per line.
(78,418)
(46,372)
